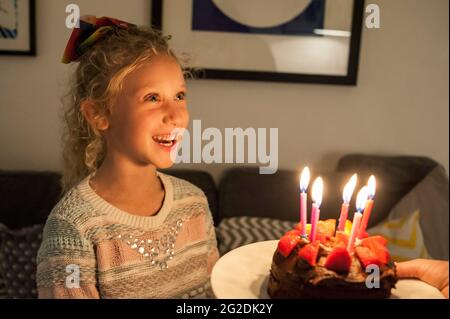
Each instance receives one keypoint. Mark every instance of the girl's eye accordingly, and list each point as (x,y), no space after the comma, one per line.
(152,98)
(181,96)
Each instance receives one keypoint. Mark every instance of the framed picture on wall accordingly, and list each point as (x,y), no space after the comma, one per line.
(311,41)
(17,27)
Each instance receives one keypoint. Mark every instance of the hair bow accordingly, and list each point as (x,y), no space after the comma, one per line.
(90,31)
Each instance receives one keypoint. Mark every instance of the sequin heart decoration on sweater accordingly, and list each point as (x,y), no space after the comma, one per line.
(153,248)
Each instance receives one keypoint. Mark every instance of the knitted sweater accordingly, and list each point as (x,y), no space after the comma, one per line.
(91,249)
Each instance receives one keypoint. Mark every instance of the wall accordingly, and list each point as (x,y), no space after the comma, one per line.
(399,107)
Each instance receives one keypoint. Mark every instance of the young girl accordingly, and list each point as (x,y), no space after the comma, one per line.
(123,229)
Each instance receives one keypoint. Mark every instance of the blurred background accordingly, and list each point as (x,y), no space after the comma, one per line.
(399,106)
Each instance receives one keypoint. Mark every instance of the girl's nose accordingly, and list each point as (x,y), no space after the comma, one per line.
(175,115)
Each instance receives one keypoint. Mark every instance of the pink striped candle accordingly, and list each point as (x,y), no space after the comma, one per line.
(304,181)
(343,216)
(360,204)
(371,187)
(303,199)
(315,214)
(346,196)
(355,227)
(317,192)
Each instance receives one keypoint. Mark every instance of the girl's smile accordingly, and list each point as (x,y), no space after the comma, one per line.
(167,141)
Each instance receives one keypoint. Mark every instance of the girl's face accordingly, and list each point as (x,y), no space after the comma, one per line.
(148,112)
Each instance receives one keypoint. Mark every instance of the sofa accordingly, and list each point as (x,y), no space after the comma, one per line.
(242,195)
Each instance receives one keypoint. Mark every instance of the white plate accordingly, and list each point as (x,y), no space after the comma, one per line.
(243,274)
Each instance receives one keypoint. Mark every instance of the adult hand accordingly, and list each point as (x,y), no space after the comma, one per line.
(433,272)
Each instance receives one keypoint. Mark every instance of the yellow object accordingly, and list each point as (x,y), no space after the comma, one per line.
(308,228)
(348,227)
(404,236)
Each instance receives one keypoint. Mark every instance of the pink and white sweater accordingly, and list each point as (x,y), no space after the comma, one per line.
(91,249)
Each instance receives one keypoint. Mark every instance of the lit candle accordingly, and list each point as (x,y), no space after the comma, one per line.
(371,186)
(317,191)
(304,182)
(346,196)
(361,199)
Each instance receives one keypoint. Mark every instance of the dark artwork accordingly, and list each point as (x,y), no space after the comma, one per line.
(206,16)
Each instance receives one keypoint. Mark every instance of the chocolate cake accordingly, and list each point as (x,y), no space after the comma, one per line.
(326,269)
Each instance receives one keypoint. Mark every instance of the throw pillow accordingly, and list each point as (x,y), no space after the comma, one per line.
(18,251)
(404,236)
(430,197)
(234,232)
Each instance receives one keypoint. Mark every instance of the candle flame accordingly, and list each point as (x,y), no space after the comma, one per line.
(304,179)
(371,186)
(349,188)
(361,199)
(317,191)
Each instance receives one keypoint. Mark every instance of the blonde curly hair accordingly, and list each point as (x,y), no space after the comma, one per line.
(98,78)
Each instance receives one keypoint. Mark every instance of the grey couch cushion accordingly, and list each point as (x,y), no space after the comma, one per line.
(430,197)
(245,192)
(396,176)
(27,197)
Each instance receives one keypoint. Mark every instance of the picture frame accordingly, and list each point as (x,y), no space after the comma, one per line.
(18,27)
(227,46)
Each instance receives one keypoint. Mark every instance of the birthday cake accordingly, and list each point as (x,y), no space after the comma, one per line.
(326,268)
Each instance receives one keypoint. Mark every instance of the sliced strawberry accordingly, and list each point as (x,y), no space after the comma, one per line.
(363,235)
(379,239)
(293,232)
(367,257)
(309,253)
(287,244)
(376,245)
(338,260)
(342,237)
(380,251)
(383,254)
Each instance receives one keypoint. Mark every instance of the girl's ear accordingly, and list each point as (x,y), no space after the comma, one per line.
(99,122)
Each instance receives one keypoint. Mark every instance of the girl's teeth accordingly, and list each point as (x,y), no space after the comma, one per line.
(164,138)
(167,140)
(165,143)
